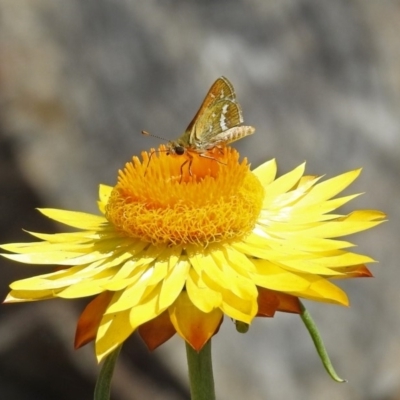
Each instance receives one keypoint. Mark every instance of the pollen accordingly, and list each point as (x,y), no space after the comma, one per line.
(190,198)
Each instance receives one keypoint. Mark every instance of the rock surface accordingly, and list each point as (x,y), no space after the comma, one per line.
(320,82)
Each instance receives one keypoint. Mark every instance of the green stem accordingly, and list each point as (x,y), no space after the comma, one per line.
(319,344)
(200,372)
(103,384)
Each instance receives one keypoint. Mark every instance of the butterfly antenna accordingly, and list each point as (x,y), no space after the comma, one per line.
(155,136)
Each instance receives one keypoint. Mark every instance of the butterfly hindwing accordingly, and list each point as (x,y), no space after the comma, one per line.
(224,115)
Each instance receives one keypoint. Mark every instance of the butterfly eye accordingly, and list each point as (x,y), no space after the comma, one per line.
(179,150)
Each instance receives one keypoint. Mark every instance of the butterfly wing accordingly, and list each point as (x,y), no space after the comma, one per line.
(223,115)
(218,113)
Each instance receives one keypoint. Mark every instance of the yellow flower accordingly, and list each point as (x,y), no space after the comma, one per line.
(186,239)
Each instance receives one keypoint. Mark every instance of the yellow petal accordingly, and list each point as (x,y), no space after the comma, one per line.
(54,280)
(104,195)
(239,261)
(127,275)
(174,282)
(335,259)
(270,276)
(84,288)
(148,308)
(203,297)
(365,215)
(113,330)
(215,265)
(340,228)
(305,214)
(292,197)
(282,184)
(322,290)
(76,219)
(237,308)
(240,284)
(71,237)
(131,296)
(43,258)
(308,286)
(266,172)
(17,296)
(330,188)
(193,325)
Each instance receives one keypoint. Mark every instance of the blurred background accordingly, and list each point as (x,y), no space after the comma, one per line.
(320,81)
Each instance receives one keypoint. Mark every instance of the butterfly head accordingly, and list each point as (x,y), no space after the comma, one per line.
(175,147)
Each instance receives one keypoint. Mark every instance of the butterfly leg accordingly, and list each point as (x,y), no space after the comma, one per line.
(187,161)
(148,162)
(190,161)
(212,158)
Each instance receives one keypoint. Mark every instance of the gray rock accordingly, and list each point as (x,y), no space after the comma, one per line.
(318,80)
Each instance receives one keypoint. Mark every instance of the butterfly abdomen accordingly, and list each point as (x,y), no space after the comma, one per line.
(231,135)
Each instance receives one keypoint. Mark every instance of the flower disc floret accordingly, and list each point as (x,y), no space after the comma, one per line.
(186,199)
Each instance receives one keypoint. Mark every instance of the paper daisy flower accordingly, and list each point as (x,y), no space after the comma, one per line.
(185,239)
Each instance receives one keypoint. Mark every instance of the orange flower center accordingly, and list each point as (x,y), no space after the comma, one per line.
(181,199)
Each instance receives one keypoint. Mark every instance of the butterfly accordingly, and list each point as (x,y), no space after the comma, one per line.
(216,123)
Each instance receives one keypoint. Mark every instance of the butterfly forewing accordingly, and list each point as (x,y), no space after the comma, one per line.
(218,112)
(221,89)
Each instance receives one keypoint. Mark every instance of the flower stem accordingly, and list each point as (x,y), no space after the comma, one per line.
(200,372)
(319,344)
(103,384)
